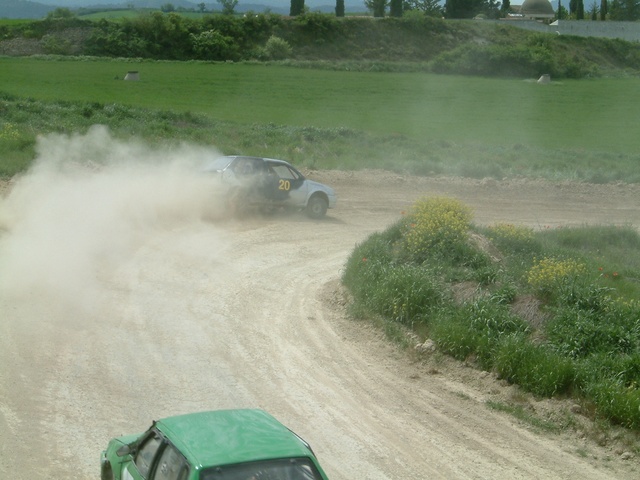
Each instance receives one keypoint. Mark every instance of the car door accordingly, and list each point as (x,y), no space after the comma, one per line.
(156,459)
(145,456)
(171,465)
(291,185)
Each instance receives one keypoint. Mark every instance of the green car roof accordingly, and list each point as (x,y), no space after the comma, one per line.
(224,437)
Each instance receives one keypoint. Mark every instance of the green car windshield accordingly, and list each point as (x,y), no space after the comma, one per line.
(282,469)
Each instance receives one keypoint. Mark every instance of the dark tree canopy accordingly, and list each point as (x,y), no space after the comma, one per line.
(395,8)
(378,7)
(625,10)
(297,8)
(465,8)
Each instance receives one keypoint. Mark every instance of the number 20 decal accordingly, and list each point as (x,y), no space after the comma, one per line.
(284,185)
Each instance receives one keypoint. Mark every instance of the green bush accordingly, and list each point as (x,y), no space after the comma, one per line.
(512,60)
(212,45)
(277,48)
(56,45)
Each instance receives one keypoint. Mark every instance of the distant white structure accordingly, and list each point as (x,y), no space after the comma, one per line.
(544,79)
(537,10)
(133,75)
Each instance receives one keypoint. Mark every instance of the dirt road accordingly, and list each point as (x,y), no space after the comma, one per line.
(107,324)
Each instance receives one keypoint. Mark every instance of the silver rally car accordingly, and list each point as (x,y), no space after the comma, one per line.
(269,184)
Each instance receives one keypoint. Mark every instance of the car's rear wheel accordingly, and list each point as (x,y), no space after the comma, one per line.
(317,206)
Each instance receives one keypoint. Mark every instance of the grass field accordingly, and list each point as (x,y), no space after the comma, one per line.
(593,115)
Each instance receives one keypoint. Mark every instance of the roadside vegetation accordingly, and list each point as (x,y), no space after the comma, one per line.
(429,44)
(555,311)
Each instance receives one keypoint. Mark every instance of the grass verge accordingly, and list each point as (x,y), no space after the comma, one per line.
(23,118)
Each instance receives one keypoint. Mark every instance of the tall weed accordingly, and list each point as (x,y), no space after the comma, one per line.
(534,367)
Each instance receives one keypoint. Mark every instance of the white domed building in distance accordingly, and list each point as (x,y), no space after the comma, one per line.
(540,10)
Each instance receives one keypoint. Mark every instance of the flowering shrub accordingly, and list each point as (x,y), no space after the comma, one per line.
(9,132)
(437,223)
(549,273)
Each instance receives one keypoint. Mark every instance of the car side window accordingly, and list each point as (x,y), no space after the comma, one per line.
(146,453)
(285,172)
(171,466)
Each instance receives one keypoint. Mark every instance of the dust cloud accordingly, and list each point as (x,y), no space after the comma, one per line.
(86,205)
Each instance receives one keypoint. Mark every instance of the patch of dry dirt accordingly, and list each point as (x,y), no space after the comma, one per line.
(195,315)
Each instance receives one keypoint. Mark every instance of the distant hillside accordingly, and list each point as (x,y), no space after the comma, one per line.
(23,9)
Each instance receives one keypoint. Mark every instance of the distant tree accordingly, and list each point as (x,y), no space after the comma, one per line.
(492,9)
(603,9)
(573,7)
(228,6)
(561,12)
(167,7)
(580,10)
(395,8)
(430,8)
(202,7)
(625,10)
(593,11)
(339,8)
(464,8)
(506,6)
(378,7)
(297,8)
(60,13)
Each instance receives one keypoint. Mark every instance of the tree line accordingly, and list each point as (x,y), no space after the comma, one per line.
(616,10)
(411,43)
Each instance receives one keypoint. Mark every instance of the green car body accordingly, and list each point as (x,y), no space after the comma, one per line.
(246,444)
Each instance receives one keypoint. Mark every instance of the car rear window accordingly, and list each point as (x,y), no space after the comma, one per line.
(282,469)
(219,163)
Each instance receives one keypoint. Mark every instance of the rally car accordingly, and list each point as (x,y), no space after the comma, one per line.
(268,184)
(245,444)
